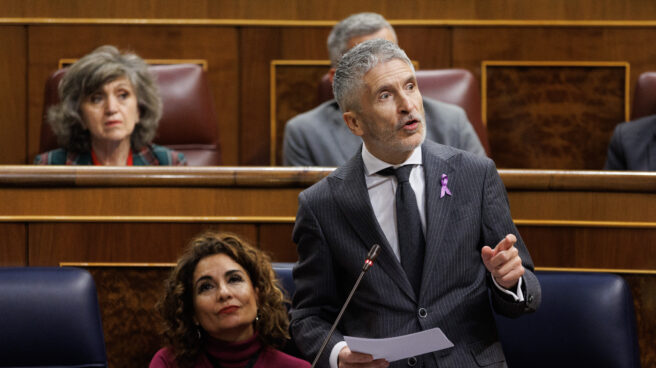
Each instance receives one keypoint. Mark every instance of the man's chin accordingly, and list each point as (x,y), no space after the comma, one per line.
(412,142)
(416,138)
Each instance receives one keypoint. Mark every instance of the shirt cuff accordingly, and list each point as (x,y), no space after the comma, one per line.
(518,295)
(334,354)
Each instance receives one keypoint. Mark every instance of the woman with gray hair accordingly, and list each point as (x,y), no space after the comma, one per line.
(108,115)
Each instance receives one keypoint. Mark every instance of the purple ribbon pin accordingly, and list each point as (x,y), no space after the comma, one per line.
(445,189)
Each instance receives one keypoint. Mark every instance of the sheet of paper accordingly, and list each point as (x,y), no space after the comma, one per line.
(400,347)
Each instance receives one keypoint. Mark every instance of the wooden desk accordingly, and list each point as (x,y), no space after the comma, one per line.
(586,220)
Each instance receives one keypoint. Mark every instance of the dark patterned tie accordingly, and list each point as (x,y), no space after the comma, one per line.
(408,223)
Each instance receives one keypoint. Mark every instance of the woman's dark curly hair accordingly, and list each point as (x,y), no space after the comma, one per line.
(177,306)
(105,64)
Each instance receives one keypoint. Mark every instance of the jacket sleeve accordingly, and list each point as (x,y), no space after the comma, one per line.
(295,150)
(615,159)
(497,223)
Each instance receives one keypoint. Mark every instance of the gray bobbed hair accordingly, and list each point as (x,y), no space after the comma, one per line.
(105,64)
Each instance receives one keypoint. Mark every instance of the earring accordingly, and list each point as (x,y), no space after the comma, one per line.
(257,316)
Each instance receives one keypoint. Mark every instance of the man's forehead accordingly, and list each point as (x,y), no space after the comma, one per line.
(388,72)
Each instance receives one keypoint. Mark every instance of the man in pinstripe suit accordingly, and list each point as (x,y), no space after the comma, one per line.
(471,243)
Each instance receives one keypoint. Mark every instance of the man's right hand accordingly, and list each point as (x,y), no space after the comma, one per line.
(347,359)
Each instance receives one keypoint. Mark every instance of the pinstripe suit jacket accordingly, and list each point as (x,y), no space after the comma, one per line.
(335,228)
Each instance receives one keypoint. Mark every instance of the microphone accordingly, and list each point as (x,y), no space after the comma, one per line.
(368,262)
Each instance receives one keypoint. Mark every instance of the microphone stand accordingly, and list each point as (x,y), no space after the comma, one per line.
(368,262)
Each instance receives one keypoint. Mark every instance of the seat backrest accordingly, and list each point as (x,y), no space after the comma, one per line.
(283,272)
(585,320)
(49,317)
(455,86)
(188,122)
(644,96)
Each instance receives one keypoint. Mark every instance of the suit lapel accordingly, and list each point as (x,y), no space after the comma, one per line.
(349,190)
(437,209)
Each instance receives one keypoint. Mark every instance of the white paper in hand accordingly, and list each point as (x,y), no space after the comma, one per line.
(400,347)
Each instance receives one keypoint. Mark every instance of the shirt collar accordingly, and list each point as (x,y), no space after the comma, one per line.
(373,164)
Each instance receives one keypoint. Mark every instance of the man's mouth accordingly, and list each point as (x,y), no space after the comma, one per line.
(411,124)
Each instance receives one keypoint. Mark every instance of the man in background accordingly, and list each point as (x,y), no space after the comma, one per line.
(633,146)
(319,137)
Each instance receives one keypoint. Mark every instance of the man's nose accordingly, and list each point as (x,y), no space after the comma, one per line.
(405,103)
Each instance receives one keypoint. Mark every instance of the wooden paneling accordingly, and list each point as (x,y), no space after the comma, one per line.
(53,243)
(336,9)
(13,246)
(13,63)
(553,116)
(131,325)
(276,239)
(258,49)
(473,45)
(116,208)
(643,289)
(294,92)
(429,47)
(48,44)
(591,247)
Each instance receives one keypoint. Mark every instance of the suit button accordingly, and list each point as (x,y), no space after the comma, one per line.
(412,361)
(530,298)
(422,313)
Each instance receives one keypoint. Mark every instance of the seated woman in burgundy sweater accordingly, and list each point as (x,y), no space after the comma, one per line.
(223,309)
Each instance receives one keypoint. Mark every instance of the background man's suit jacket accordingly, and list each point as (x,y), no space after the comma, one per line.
(320,137)
(633,146)
(336,227)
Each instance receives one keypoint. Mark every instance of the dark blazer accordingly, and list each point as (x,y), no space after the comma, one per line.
(335,228)
(633,146)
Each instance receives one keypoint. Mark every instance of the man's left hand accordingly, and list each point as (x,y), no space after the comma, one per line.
(504,262)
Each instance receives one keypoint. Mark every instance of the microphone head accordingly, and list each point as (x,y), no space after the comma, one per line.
(373,252)
(371,256)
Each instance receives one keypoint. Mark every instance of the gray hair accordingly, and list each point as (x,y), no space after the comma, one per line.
(356,63)
(356,25)
(105,64)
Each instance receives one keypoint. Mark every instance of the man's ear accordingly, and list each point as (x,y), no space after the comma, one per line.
(331,75)
(353,122)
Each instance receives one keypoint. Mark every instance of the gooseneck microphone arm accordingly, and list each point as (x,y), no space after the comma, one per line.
(368,262)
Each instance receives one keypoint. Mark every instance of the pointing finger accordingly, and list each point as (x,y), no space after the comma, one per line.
(505,243)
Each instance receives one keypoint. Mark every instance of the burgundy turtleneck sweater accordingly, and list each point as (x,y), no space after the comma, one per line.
(233,355)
